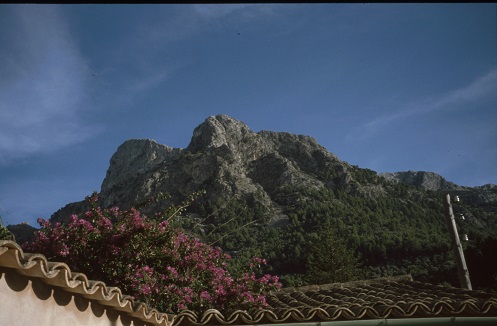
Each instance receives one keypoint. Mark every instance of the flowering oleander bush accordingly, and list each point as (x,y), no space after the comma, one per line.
(152,261)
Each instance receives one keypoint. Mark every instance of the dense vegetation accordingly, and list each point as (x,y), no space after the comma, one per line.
(371,228)
(400,230)
(152,261)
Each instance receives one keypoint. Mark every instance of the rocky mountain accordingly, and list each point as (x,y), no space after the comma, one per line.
(269,193)
(425,180)
(484,196)
(226,159)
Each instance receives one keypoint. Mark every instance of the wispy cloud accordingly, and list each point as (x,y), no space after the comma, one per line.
(480,88)
(245,11)
(43,84)
(214,11)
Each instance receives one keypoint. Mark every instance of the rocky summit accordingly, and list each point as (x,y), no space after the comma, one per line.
(226,159)
(272,194)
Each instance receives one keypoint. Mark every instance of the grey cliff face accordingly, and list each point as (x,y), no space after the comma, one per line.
(225,158)
(228,160)
(421,179)
(218,131)
(130,166)
(485,195)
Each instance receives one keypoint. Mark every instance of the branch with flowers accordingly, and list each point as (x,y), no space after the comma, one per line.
(152,261)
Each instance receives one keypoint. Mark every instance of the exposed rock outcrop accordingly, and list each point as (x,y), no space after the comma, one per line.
(422,179)
(485,196)
(225,158)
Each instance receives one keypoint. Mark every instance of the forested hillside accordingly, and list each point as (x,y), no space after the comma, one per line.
(273,193)
(398,232)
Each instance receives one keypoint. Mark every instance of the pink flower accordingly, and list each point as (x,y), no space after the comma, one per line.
(145,290)
(150,260)
(205,295)
(64,251)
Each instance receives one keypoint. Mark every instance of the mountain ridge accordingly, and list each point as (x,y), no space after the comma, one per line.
(226,158)
(270,193)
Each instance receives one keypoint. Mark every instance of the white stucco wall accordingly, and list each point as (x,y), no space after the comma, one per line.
(29,302)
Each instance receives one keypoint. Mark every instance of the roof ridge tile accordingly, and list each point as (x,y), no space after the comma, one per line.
(59,274)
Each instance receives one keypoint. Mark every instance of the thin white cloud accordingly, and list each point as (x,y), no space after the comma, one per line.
(215,11)
(42,92)
(480,88)
(150,81)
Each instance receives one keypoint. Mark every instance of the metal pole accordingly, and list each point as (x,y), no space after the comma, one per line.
(462,269)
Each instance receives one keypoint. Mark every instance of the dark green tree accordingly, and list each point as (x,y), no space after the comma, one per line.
(330,260)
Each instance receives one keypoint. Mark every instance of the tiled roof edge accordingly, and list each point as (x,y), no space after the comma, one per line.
(59,274)
(381,298)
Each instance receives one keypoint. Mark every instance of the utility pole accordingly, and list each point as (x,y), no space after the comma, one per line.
(462,269)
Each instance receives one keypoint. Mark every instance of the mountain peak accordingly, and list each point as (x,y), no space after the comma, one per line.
(217,131)
(229,160)
(422,179)
(134,158)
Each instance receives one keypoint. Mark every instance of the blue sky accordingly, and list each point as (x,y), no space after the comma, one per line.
(389,87)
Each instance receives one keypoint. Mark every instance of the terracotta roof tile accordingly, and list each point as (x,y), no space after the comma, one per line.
(60,275)
(399,297)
